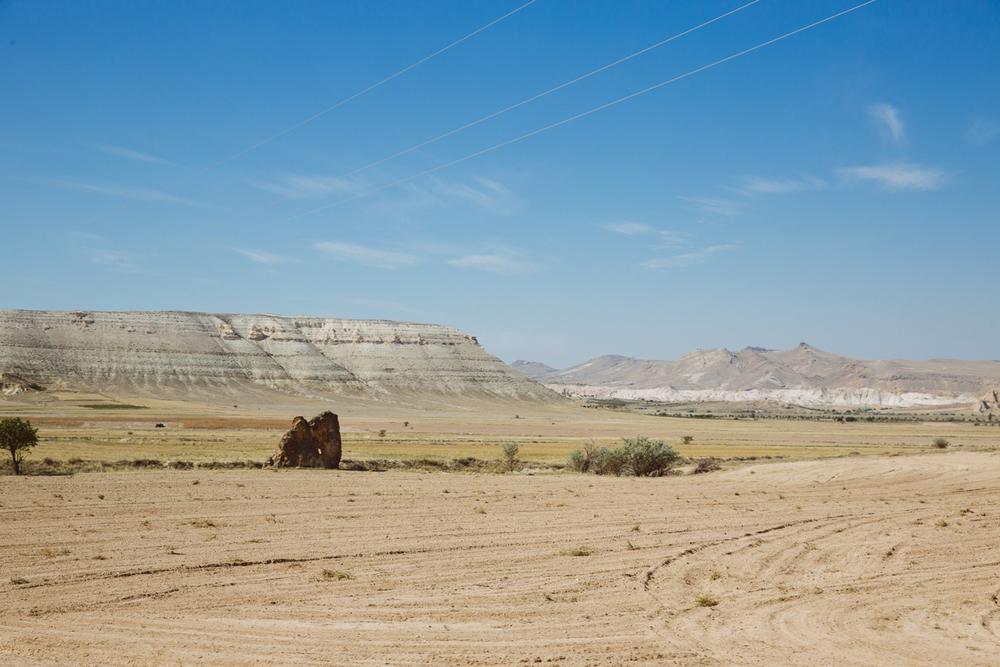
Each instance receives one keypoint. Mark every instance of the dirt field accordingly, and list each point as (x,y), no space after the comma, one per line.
(855,560)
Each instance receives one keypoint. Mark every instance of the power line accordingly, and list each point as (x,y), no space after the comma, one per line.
(583,114)
(373,86)
(542,94)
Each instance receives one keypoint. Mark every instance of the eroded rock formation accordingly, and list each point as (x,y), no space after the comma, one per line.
(310,444)
(803,375)
(221,357)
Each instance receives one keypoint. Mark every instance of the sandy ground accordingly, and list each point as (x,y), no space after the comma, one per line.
(856,560)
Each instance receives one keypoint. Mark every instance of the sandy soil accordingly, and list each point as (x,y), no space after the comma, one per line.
(857,560)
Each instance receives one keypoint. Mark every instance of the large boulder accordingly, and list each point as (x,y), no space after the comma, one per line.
(310,444)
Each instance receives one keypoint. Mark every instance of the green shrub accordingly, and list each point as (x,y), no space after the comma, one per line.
(607,461)
(648,458)
(510,451)
(582,460)
(579,461)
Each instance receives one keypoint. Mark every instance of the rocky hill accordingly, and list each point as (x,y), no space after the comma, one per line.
(533,369)
(214,356)
(803,375)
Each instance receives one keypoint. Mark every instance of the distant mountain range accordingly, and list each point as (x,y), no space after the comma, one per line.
(803,375)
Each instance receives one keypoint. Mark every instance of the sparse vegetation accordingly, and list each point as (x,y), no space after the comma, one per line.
(648,458)
(577,551)
(335,575)
(17,436)
(687,439)
(114,406)
(706,465)
(941,443)
(706,600)
(510,451)
(637,456)
(54,552)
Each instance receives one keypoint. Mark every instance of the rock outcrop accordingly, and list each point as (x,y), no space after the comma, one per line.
(204,356)
(12,385)
(310,444)
(989,405)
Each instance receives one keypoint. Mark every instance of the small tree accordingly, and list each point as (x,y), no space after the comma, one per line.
(510,451)
(17,436)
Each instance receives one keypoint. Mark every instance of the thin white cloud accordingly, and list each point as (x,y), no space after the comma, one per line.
(131,154)
(261,256)
(896,177)
(982,132)
(484,193)
(889,123)
(116,260)
(758,185)
(663,237)
(628,228)
(123,192)
(687,258)
(714,205)
(359,254)
(496,263)
(300,186)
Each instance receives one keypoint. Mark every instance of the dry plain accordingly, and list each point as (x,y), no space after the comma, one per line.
(888,556)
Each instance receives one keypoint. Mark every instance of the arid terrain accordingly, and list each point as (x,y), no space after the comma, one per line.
(856,560)
(146,531)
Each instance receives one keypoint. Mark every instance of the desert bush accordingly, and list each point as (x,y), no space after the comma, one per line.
(941,443)
(706,465)
(648,458)
(581,460)
(707,600)
(687,439)
(637,456)
(607,461)
(510,450)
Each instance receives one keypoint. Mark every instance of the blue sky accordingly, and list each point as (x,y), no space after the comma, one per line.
(838,187)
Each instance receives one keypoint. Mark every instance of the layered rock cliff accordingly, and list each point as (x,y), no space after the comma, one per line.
(802,375)
(194,355)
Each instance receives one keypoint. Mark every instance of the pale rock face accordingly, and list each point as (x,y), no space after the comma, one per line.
(803,375)
(207,355)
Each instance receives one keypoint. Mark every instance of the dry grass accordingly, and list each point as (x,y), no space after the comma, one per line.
(706,600)
(577,551)
(196,433)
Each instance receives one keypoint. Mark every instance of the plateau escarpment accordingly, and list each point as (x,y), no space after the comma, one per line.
(208,356)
